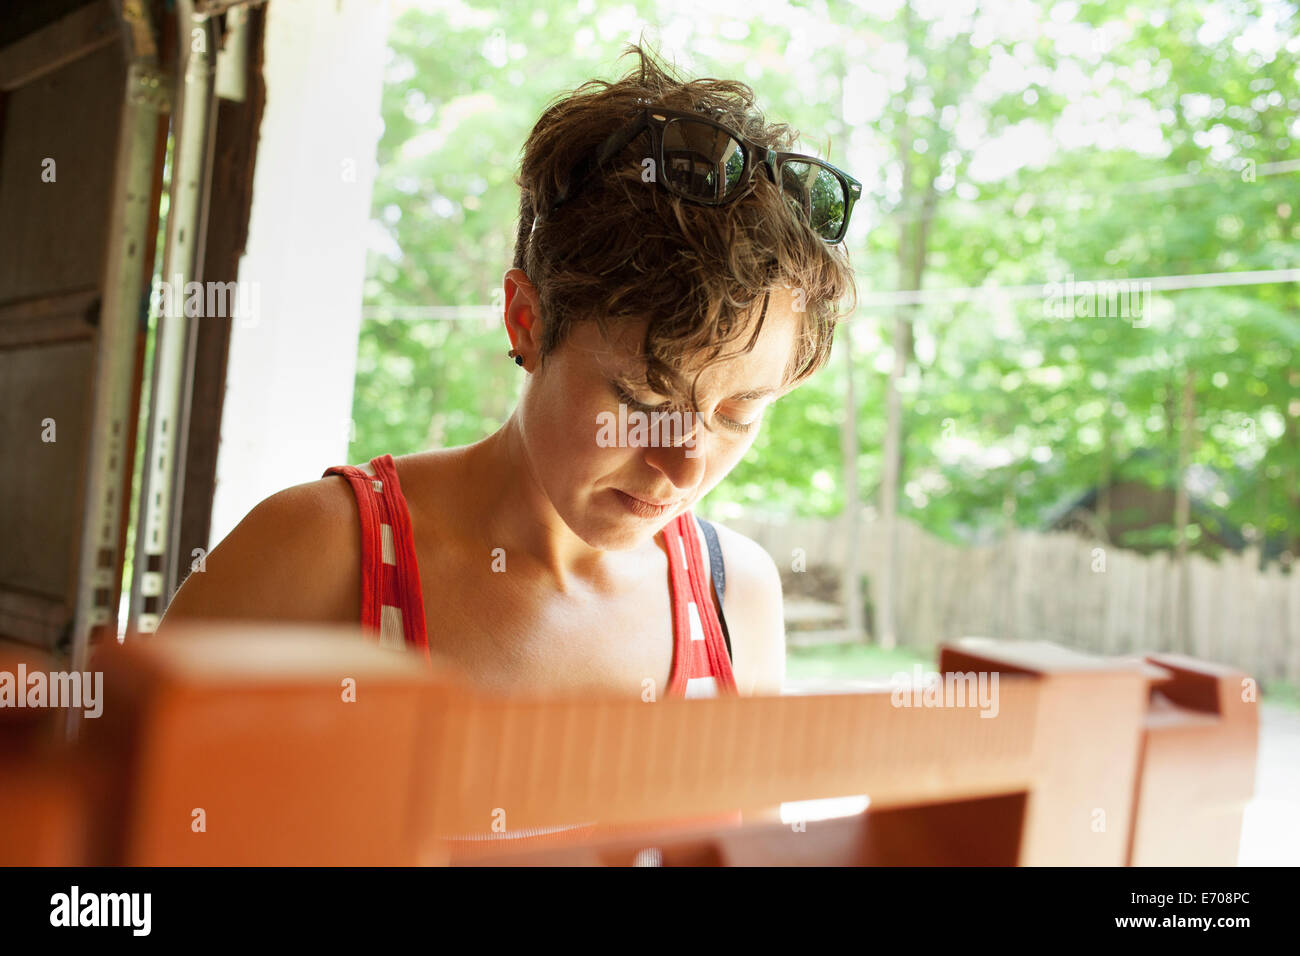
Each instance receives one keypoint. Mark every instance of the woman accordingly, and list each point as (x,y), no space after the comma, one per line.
(658,267)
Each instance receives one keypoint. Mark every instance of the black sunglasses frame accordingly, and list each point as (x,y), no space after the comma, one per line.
(655,119)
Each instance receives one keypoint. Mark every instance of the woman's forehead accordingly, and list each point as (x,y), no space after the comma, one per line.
(620,352)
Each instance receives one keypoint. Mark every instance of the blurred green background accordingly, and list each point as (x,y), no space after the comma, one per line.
(1007,145)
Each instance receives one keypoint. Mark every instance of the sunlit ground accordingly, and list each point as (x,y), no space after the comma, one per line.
(1270,832)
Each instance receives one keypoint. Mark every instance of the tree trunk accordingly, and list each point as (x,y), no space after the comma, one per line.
(850,585)
(913,236)
(1182,511)
(887,635)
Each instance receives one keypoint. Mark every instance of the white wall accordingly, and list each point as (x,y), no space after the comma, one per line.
(289,385)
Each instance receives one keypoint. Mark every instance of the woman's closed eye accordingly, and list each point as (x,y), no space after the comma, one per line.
(735,426)
(664,407)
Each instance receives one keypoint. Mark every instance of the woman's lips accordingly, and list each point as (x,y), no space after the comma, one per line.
(642,508)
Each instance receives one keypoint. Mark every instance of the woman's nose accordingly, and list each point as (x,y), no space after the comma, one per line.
(682,458)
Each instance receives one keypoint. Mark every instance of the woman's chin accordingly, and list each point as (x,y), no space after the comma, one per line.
(615,537)
(608,530)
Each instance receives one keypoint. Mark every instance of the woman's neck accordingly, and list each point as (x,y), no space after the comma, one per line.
(505,507)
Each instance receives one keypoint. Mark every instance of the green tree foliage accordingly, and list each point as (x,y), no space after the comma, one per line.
(1001,147)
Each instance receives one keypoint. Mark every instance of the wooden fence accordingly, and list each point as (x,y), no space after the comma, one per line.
(1033,585)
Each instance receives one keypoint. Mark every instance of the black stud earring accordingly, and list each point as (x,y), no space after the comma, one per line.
(519,359)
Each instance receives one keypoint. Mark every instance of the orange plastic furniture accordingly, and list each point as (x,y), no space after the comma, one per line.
(272,744)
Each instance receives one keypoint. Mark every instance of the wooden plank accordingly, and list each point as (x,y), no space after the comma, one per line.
(43,397)
(1201,605)
(68,118)
(1032,585)
(63,317)
(1245,633)
(49,48)
(33,619)
(802,611)
(1293,628)
(820,638)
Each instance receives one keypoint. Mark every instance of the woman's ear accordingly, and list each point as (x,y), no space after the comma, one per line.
(522,313)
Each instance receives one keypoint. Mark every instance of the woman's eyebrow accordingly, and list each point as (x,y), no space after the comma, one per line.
(753,394)
(629,382)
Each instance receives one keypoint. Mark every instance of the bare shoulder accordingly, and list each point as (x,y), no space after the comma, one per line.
(433,482)
(294,557)
(755,612)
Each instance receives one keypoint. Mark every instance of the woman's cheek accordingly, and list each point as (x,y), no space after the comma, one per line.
(729,458)
(585,441)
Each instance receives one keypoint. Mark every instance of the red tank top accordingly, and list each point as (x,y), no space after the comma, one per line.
(392,609)
(392,603)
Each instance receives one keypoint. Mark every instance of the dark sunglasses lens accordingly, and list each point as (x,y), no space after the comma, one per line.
(816,194)
(702,161)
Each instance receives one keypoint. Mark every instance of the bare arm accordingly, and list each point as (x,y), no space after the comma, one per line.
(756,620)
(755,614)
(294,557)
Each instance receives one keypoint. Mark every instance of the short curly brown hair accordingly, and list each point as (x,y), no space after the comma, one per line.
(619,251)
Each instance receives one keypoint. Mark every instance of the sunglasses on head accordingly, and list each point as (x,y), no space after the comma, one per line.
(707,162)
